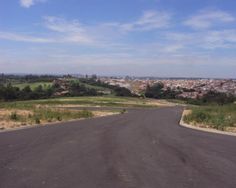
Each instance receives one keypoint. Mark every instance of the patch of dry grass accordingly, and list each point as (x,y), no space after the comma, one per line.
(22,113)
(14,118)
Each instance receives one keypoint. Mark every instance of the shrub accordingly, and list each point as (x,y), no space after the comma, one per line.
(59,118)
(123,92)
(197,116)
(201,116)
(218,98)
(85,114)
(123,111)
(218,122)
(14,116)
(37,120)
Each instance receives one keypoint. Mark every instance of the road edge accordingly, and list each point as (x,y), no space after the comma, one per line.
(183,124)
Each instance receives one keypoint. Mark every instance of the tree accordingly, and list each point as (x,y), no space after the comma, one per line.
(1,91)
(49,91)
(26,93)
(122,91)
(94,77)
(155,91)
(39,89)
(217,97)
(38,93)
(10,92)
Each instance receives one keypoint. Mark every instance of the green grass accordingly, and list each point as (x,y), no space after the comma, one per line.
(98,88)
(33,85)
(40,115)
(108,101)
(47,84)
(46,110)
(218,117)
(59,115)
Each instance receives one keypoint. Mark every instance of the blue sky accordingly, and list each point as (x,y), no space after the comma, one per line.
(192,38)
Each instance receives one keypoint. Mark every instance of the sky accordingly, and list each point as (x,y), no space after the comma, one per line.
(163,38)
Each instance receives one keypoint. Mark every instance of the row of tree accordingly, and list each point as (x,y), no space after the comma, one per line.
(77,89)
(5,79)
(117,90)
(213,97)
(9,93)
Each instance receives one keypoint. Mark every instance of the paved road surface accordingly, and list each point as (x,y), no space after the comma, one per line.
(141,149)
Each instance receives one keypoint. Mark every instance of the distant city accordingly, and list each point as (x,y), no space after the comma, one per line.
(187,87)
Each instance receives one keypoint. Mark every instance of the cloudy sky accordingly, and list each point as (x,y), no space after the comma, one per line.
(192,38)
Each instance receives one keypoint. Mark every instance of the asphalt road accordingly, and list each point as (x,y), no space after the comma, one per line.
(141,149)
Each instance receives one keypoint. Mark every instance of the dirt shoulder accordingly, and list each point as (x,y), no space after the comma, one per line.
(7,123)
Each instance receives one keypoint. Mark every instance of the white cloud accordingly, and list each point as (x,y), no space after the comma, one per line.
(108,36)
(29,3)
(172,48)
(62,25)
(71,31)
(208,18)
(220,39)
(62,31)
(24,38)
(212,39)
(150,20)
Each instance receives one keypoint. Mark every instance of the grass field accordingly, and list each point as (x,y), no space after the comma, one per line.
(33,85)
(46,84)
(21,113)
(110,101)
(217,117)
(98,88)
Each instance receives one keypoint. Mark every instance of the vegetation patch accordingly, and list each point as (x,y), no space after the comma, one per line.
(42,115)
(52,115)
(33,86)
(106,101)
(21,113)
(50,110)
(30,87)
(123,111)
(215,116)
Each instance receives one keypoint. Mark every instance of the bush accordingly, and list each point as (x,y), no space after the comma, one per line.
(157,91)
(77,89)
(154,91)
(217,98)
(201,117)
(85,114)
(59,118)
(123,92)
(50,115)
(218,123)
(123,111)
(37,120)
(14,116)
(197,116)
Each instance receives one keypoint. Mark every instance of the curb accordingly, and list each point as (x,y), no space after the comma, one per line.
(183,124)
